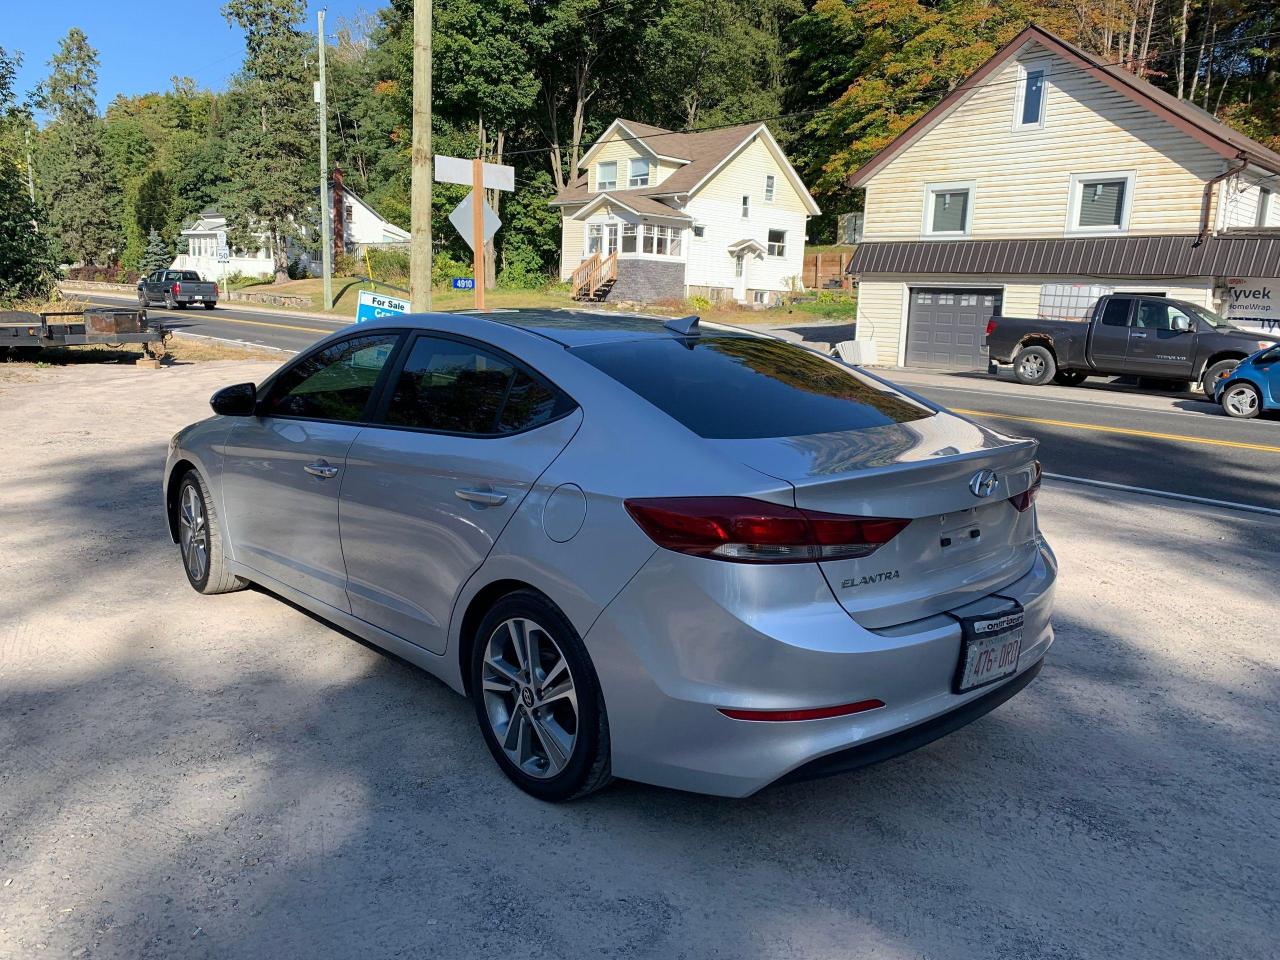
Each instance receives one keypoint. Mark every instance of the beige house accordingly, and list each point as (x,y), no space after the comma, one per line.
(1045,180)
(657,214)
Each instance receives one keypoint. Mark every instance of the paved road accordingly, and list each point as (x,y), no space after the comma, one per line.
(1179,444)
(270,328)
(1176,443)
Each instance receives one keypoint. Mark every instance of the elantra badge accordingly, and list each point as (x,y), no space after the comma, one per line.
(982,483)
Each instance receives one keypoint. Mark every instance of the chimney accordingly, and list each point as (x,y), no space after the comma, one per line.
(338,198)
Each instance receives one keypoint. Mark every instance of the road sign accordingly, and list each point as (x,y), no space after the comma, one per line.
(374,305)
(464,283)
(497,176)
(461,219)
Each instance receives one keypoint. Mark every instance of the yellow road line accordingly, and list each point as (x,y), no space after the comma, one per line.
(264,323)
(1126,431)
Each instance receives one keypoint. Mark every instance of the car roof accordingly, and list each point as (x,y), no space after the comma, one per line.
(567,327)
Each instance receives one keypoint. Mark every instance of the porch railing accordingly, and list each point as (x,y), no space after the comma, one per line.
(592,274)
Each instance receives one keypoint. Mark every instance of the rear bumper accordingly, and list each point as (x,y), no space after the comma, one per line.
(672,649)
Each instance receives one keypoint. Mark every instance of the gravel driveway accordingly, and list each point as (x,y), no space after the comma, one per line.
(187,776)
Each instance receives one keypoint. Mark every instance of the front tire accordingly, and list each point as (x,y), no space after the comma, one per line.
(1034,366)
(200,539)
(1242,401)
(1212,374)
(538,701)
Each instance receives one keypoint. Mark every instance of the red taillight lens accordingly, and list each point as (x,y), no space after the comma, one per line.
(752,531)
(1025,499)
(991,327)
(177,289)
(818,713)
(215,290)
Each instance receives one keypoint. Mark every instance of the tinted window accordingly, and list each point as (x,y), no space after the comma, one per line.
(457,387)
(728,387)
(1116,313)
(189,275)
(1153,315)
(333,384)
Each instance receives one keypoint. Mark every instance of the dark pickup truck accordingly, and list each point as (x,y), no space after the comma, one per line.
(176,288)
(1135,335)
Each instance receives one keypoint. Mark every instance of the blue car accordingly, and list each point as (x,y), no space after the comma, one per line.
(1253,386)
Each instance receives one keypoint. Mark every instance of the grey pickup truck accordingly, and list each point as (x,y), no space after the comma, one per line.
(176,288)
(1125,335)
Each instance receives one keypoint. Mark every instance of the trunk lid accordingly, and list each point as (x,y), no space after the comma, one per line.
(959,546)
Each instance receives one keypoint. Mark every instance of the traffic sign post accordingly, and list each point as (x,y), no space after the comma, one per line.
(474,218)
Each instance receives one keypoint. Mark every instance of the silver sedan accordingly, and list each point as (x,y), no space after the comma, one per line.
(684,554)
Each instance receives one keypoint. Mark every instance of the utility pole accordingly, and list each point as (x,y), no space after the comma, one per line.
(31,183)
(420,186)
(326,201)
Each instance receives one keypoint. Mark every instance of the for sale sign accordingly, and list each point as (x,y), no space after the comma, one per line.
(1254,304)
(374,305)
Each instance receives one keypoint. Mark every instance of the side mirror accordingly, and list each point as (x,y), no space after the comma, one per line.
(237,400)
(1180,324)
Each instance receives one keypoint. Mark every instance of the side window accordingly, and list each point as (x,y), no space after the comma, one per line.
(457,387)
(333,384)
(1116,313)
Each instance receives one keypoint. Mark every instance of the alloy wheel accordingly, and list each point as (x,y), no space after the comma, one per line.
(193,530)
(1032,366)
(529,697)
(1241,401)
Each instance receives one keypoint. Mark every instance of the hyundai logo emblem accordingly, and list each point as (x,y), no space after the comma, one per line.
(982,483)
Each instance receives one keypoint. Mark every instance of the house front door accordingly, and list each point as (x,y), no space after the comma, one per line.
(740,278)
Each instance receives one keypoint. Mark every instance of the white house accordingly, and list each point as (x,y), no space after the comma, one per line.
(1046,179)
(355,225)
(658,214)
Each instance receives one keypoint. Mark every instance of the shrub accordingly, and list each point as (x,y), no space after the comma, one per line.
(347,265)
(699,304)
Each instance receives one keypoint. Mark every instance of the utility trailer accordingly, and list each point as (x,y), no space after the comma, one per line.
(27,333)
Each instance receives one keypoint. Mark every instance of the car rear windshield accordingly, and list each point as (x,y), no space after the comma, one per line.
(738,387)
(190,275)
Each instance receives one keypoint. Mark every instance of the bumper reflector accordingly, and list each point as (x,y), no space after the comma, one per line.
(817,713)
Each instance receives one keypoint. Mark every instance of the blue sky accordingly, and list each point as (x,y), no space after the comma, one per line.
(140,43)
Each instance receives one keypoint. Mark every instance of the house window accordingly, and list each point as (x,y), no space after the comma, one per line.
(699,230)
(1030,100)
(948,210)
(1100,202)
(737,264)
(607,175)
(1264,206)
(759,296)
(628,238)
(777,246)
(595,238)
(639,169)
(769,183)
(746,207)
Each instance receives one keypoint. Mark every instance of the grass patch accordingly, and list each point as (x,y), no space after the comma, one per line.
(180,350)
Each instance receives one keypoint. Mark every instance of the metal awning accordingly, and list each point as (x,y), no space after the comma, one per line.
(1157,257)
(746,245)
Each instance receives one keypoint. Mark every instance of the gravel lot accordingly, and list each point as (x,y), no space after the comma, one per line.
(227,777)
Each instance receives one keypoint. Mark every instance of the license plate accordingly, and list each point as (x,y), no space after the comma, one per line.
(197,298)
(989,649)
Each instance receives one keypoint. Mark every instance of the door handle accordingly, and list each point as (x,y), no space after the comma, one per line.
(484,498)
(1137,336)
(321,469)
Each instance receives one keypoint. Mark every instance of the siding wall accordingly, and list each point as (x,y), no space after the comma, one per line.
(882,301)
(622,150)
(572,241)
(1022,177)
(1240,202)
(718,207)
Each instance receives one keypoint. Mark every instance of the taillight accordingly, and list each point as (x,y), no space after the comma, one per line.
(991,327)
(216,293)
(1025,499)
(816,713)
(177,289)
(752,531)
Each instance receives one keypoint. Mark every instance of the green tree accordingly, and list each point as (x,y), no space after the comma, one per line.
(78,194)
(271,187)
(26,263)
(157,255)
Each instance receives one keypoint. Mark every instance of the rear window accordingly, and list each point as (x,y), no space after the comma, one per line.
(736,388)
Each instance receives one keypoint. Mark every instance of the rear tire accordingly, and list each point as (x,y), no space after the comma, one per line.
(210,306)
(1034,366)
(538,700)
(1212,374)
(1070,378)
(200,539)
(1242,401)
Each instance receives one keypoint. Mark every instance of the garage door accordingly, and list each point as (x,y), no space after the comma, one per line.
(946,329)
